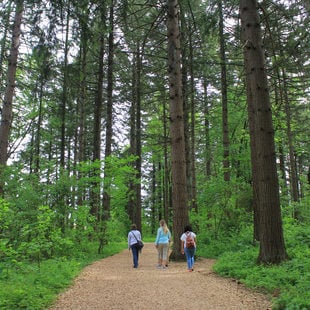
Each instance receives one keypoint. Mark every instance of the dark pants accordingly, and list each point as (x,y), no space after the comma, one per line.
(135,255)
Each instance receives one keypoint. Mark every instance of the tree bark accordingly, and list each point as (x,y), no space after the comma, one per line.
(7,109)
(64,92)
(178,163)
(166,178)
(290,138)
(226,162)
(207,129)
(193,188)
(134,204)
(5,32)
(265,179)
(109,121)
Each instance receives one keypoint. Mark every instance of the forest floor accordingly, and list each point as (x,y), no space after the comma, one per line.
(112,283)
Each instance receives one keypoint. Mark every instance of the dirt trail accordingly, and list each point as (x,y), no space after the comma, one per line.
(112,283)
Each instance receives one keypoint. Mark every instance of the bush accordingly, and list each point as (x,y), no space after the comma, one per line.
(288,282)
(25,285)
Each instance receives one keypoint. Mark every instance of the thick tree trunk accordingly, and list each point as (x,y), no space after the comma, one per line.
(178,163)
(7,109)
(265,179)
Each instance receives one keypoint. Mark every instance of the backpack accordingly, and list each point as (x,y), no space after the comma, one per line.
(190,243)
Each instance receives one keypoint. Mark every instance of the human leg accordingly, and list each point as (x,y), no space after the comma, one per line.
(165,254)
(188,258)
(192,257)
(135,256)
(190,254)
(160,255)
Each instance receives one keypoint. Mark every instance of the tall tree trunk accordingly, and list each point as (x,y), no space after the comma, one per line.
(97,206)
(178,164)
(272,248)
(207,129)
(290,138)
(134,204)
(106,203)
(153,206)
(132,142)
(138,162)
(64,92)
(109,120)
(166,172)
(186,104)
(226,162)
(6,24)
(38,131)
(7,109)
(79,149)
(193,189)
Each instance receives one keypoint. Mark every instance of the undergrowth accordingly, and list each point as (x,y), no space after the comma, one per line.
(287,284)
(32,286)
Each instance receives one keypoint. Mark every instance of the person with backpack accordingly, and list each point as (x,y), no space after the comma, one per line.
(162,244)
(133,237)
(188,246)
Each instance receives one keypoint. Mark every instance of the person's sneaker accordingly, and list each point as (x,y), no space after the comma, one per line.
(165,268)
(159,266)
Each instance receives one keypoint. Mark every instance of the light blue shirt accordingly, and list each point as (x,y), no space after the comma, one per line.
(162,237)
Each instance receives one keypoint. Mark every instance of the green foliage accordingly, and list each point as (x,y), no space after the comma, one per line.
(231,242)
(5,214)
(224,208)
(288,282)
(26,286)
(43,247)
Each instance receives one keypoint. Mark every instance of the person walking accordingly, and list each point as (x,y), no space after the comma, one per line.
(133,236)
(188,246)
(162,244)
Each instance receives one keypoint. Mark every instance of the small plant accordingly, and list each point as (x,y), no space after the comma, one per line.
(288,283)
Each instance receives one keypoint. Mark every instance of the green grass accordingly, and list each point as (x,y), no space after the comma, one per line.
(30,286)
(287,284)
(25,285)
(289,281)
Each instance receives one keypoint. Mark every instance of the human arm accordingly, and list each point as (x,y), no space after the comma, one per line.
(169,236)
(182,246)
(128,241)
(157,238)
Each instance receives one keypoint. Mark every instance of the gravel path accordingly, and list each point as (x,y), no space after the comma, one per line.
(112,283)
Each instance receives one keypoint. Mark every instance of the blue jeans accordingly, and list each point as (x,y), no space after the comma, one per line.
(190,253)
(135,255)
